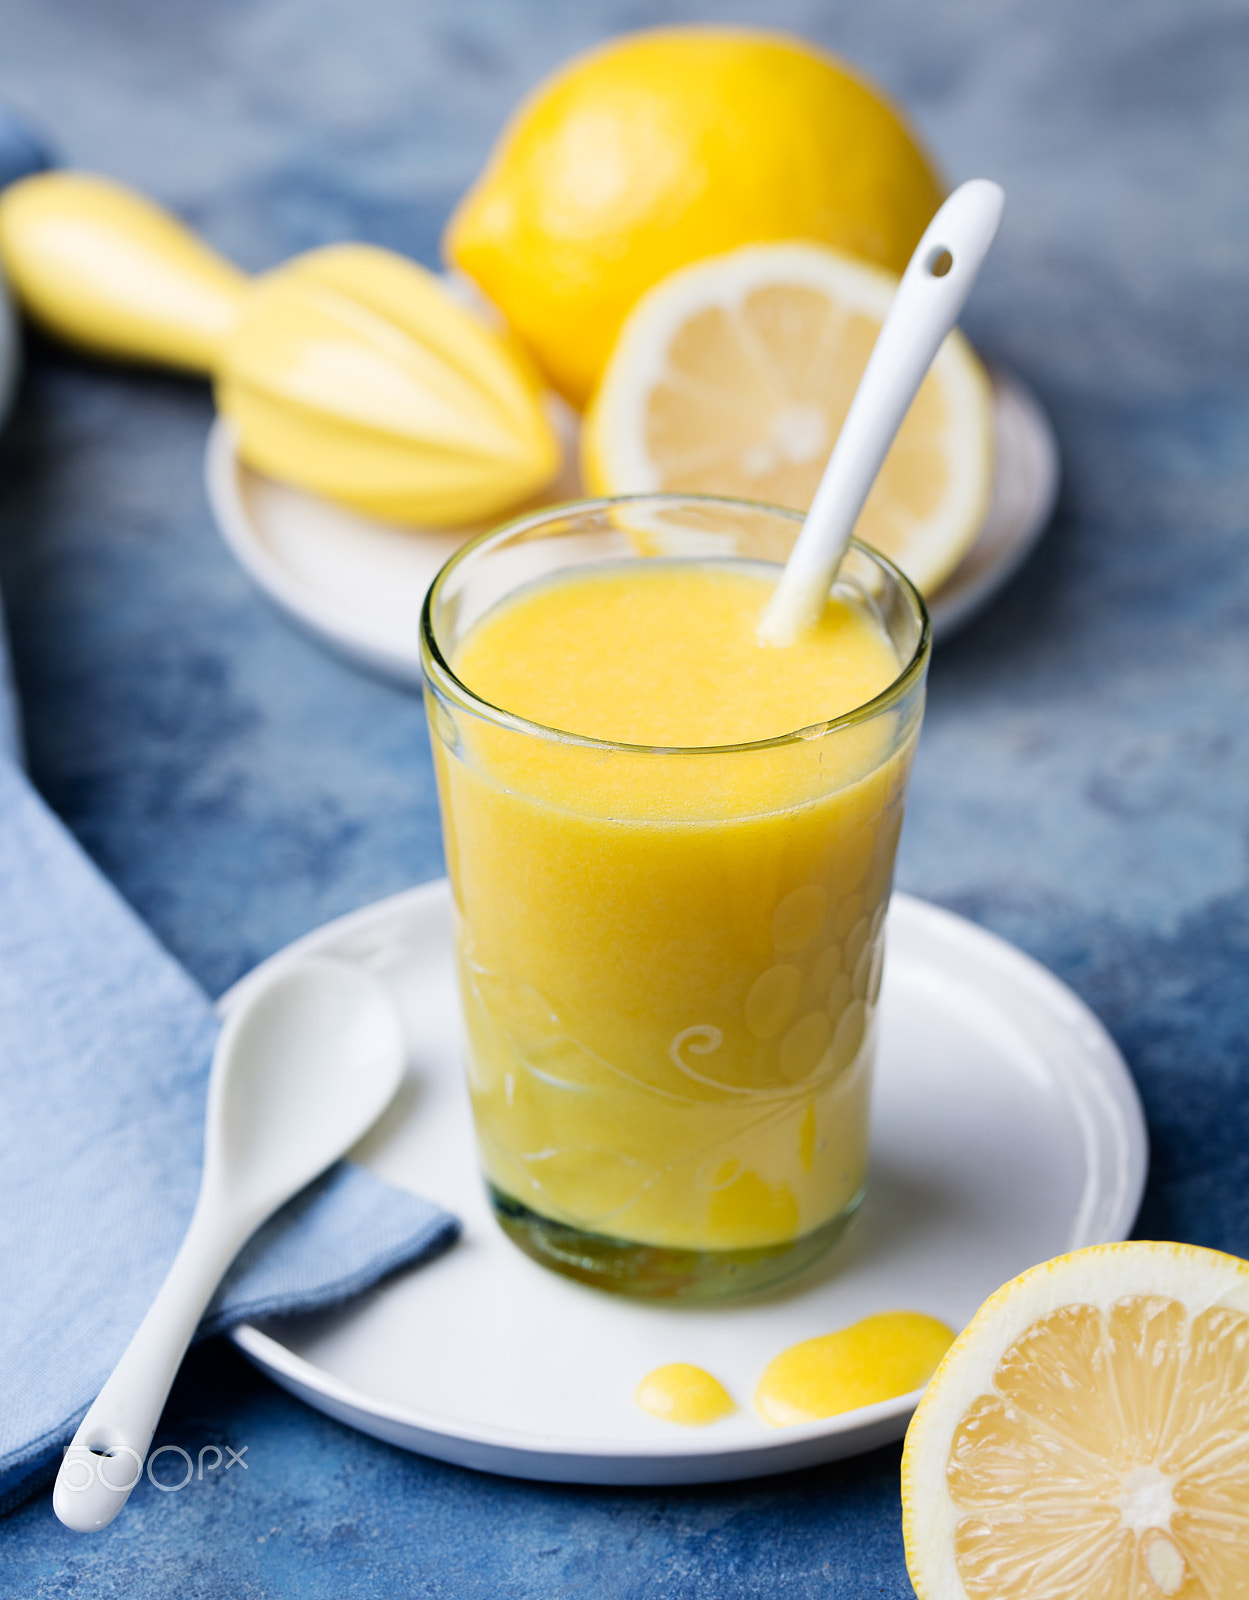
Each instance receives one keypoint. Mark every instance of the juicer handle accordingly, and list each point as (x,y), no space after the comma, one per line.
(98,265)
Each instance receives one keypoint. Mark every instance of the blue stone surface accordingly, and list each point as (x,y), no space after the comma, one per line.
(1083,784)
(22,151)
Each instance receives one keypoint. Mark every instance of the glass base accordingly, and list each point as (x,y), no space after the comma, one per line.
(655,1272)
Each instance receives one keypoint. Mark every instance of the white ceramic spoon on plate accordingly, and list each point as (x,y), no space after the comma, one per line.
(305,1065)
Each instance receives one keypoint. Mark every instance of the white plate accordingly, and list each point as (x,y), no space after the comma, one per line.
(1006,1131)
(358,585)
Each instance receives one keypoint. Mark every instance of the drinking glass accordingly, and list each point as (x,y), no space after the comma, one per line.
(669,959)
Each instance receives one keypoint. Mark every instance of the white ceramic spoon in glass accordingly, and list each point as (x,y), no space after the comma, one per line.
(937,281)
(302,1069)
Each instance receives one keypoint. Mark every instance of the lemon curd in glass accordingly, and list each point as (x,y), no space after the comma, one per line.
(670,850)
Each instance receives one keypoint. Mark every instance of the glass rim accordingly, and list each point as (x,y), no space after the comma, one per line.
(442,679)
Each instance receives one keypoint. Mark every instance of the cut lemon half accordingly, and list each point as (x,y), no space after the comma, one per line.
(733,376)
(1087,1436)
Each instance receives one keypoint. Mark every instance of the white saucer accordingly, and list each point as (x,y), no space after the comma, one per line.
(1007,1130)
(358,585)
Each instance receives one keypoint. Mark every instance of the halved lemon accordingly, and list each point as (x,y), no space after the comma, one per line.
(1087,1436)
(733,376)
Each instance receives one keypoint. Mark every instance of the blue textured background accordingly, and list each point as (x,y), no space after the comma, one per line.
(1084,777)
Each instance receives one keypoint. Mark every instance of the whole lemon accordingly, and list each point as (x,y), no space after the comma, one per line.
(663,147)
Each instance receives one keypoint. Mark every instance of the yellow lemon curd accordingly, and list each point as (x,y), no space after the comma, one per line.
(876,1359)
(680,1392)
(670,957)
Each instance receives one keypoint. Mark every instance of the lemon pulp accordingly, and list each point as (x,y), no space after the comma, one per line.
(1113,1443)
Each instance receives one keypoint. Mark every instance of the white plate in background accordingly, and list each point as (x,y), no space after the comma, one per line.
(358,585)
(1006,1131)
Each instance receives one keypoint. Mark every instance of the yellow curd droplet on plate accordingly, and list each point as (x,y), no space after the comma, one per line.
(684,1393)
(872,1360)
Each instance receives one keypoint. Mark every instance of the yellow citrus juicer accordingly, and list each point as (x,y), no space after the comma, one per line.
(349,371)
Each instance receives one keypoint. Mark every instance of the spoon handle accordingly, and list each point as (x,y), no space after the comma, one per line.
(105,1461)
(937,281)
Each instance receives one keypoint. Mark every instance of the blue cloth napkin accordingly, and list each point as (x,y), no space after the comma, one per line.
(105,1044)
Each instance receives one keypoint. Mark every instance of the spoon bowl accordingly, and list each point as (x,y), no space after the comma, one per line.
(315,1057)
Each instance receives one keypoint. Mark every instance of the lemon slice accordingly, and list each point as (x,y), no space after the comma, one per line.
(733,376)
(1087,1436)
